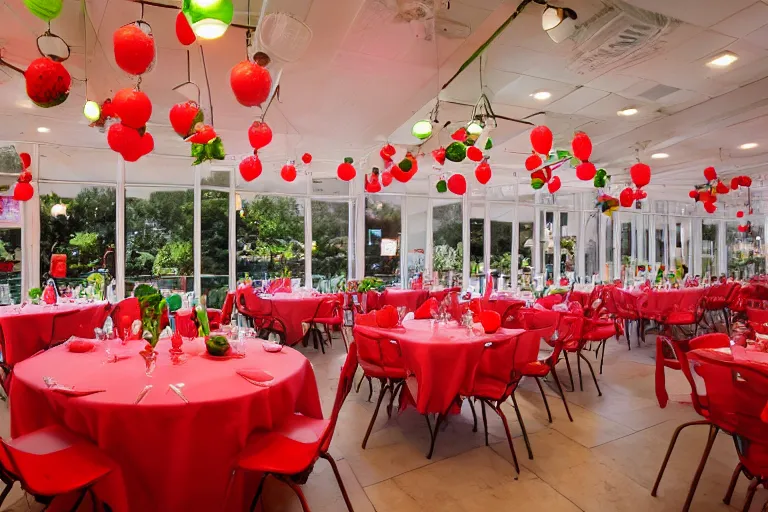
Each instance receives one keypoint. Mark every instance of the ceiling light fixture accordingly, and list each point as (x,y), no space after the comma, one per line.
(724,60)
(209,19)
(43,129)
(422,129)
(627,112)
(748,145)
(475,128)
(659,156)
(92,111)
(558,22)
(541,95)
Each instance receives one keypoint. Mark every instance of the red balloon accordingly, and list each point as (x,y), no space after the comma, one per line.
(439,155)
(640,174)
(250,168)
(250,83)
(184,32)
(541,139)
(23,191)
(389,150)
(457,184)
(47,82)
(582,146)
(735,183)
(586,171)
(483,173)
(346,171)
(533,162)
(26,160)
(260,134)
(490,320)
(474,153)
(710,207)
(627,197)
(739,214)
(693,194)
(722,188)
(710,174)
(306,158)
(288,173)
(134,49)
(705,196)
(132,107)
(745,181)
(184,116)
(386,178)
(554,185)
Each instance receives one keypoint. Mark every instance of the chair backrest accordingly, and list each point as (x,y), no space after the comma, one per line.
(329,307)
(379,351)
(226,309)
(346,380)
(124,314)
(758,320)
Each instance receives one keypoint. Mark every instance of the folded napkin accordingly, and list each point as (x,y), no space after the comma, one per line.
(424,312)
(255,376)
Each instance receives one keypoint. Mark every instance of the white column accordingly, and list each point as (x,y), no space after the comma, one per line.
(120,291)
(360,237)
(515,249)
(232,232)
(537,229)
(30,232)
(696,236)
(404,243)
(602,245)
(197,237)
(308,241)
(556,232)
(351,238)
(652,241)
(722,250)
(429,246)
(581,242)
(465,240)
(617,245)
(487,241)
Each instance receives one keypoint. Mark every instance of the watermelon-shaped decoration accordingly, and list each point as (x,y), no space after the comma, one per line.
(134,49)
(47,82)
(184,32)
(456,152)
(538,179)
(250,83)
(460,135)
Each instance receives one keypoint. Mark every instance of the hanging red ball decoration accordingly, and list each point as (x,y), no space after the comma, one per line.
(372,184)
(457,184)
(533,162)
(134,49)
(554,184)
(541,139)
(122,138)
(23,191)
(586,171)
(640,174)
(250,168)
(722,188)
(260,134)
(250,83)
(739,214)
(640,194)
(306,158)
(184,116)
(474,153)
(25,176)
(387,152)
(400,175)
(439,155)
(346,171)
(47,82)
(460,135)
(288,173)
(710,174)
(745,181)
(203,134)
(710,207)
(26,160)
(132,107)
(483,173)
(627,197)
(693,195)
(184,32)
(705,196)
(743,229)
(386,178)
(734,183)
(582,146)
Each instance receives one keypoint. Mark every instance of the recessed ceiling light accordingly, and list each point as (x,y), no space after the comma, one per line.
(541,95)
(723,60)
(659,156)
(627,112)
(748,145)
(43,129)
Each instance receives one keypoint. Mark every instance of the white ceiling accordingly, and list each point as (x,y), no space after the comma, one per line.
(367,77)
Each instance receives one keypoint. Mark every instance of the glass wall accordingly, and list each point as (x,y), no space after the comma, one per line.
(214,251)
(447,248)
(709,248)
(569,234)
(417,237)
(502,225)
(330,243)
(382,238)
(591,242)
(525,240)
(744,251)
(477,247)
(547,244)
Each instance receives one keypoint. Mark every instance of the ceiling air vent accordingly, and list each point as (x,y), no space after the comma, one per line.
(658,91)
(618,35)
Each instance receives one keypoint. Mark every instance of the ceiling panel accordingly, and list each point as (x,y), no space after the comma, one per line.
(577,100)
(744,22)
(703,13)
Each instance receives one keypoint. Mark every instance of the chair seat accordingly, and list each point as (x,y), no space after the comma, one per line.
(600,332)
(382,372)
(679,318)
(535,369)
(54,461)
(289,449)
(487,387)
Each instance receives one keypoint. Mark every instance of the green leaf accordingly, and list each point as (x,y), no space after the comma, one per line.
(536,183)
(575,161)
(563,154)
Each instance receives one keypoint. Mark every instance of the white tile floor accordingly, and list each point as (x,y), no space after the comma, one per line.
(606,460)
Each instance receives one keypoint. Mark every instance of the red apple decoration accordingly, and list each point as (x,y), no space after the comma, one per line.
(474,153)
(184,116)
(582,146)
(372,184)
(640,174)
(26,160)
(710,207)
(306,158)
(710,174)
(250,168)
(586,171)
(122,138)
(134,49)
(457,184)
(203,134)
(260,134)
(627,197)
(554,185)
(460,135)
(132,107)
(346,171)
(541,139)
(386,178)
(47,82)
(483,173)
(250,83)
(23,191)
(739,214)
(439,155)
(288,173)
(533,162)
(25,176)
(184,32)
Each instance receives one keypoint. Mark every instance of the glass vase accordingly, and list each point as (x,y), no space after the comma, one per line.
(150,360)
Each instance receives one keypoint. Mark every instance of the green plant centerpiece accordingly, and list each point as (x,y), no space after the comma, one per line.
(152,305)
(217,345)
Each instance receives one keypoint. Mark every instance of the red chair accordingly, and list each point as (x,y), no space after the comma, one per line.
(52,462)
(622,308)
(259,312)
(498,375)
(380,359)
(550,300)
(289,452)
(680,349)
(719,298)
(226,309)
(328,314)
(574,342)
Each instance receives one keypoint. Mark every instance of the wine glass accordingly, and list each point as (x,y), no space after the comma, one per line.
(401,312)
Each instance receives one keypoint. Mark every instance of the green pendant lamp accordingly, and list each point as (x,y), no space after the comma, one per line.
(422,129)
(46,10)
(209,19)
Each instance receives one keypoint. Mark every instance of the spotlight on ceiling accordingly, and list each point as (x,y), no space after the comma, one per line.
(43,129)
(627,112)
(474,128)
(659,156)
(558,22)
(92,111)
(723,60)
(748,145)
(209,19)
(422,129)
(541,95)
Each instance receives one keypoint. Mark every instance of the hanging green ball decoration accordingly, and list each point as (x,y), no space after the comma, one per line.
(456,152)
(442,186)
(209,19)
(599,181)
(46,10)
(536,183)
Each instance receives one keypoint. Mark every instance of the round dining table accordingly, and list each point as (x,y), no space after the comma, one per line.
(29,328)
(443,358)
(293,310)
(175,452)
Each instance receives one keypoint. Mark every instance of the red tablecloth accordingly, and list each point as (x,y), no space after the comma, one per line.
(411,299)
(442,358)
(294,310)
(174,456)
(502,305)
(30,329)
(654,304)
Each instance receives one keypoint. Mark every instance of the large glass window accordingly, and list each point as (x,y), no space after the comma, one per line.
(417,236)
(591,244)
(525,247)
(270,238)
(502,217)
(569,234)
(382,238)
(214,251)
(547,243)
(477,247)
(330,240)
(745,251)
(447,248)
(709,261)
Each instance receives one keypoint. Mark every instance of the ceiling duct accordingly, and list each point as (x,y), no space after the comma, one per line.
(618,35)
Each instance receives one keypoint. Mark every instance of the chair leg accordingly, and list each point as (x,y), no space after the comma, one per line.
(750,494)
(592,371)
(296,489)
(522,427)
(546,404)
(485,421)
(394,391)
(509,438)
(79,501)
(440,418)
(562,395)
(727,318)
(602,358)
(259,490)
(732,485)
(370,388)
(338,479)
(627,326)
(360,384)
(328,333)
(713,430)
(4,494)
(474,415)
(669,451)
(570,375)
(578,368)
(382,393)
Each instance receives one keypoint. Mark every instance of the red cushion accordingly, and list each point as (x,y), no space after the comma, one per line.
(334,320)
(600,333)
(381,372)
(535,369)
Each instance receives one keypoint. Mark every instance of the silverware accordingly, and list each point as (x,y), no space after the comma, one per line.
(177,389)
(143,393)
